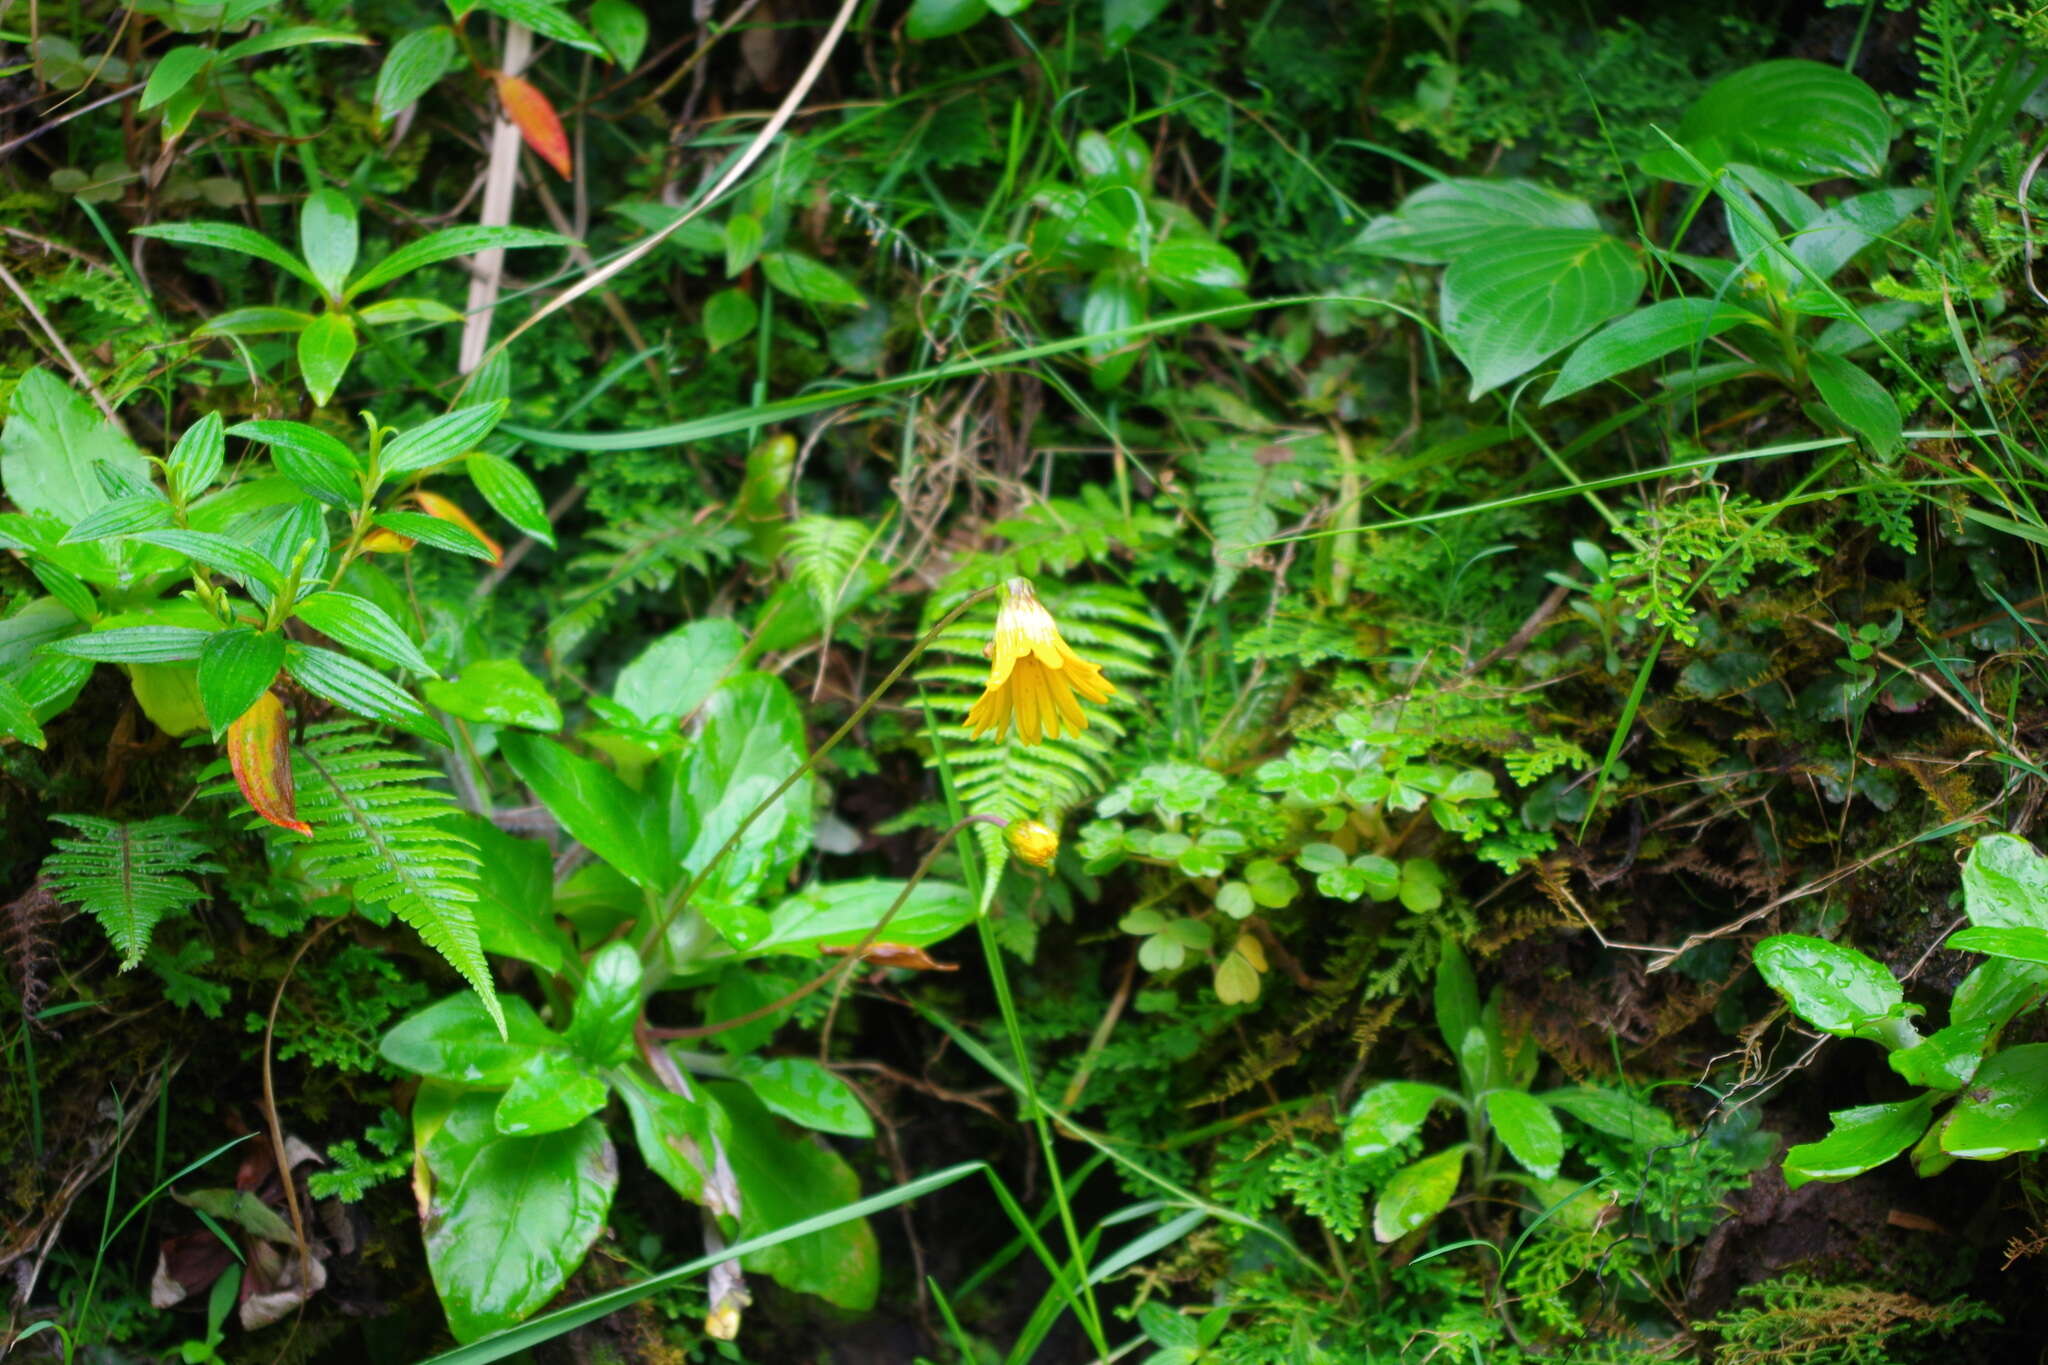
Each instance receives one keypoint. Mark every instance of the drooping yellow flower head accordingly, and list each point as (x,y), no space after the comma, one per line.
(1033,674)
(1033,841)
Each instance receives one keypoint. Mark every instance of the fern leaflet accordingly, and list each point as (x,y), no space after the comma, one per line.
(128,875)
(643,555)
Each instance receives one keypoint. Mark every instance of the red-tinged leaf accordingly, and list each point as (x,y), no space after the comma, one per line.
(903,955)
(259,752)
(434,505)
(383,542)
(537,121)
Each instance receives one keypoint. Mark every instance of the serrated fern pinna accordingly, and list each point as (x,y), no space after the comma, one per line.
(380,830)
(128,874)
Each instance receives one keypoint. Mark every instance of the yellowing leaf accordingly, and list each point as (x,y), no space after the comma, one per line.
(536,119)
(260,754)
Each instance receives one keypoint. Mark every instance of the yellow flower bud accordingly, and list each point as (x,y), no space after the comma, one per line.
(1032,841)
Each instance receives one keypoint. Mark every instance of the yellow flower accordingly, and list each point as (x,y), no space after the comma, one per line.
(1032,842)
(1033,674)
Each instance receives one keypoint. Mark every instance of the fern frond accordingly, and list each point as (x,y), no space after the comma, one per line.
(128,875)
(643,556)
(823,554)
(1106,625)
(1053,536)
(382,831)
(1244,483)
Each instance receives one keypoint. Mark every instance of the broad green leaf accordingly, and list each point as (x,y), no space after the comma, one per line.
(1388,1115)
(169,695)
(1860,1140)
(599,811)
(218,553)
(511,494)
(455,1039)
(1123,20)
(18,716)
(1615,1114)
(437,532)
(1827,243)
(1997,990)
(1802,120)
(2005,1110)
(841,914)
(1441,222)
(445,438)
(391,312)
(803,1091)
(547,19)
(2005,884)
(412,66)
(1115,302)
(674,1135)
(729,316)
(1456,999)
(230,237)
(607,1005)
(750,738)
(253,322)
(1836,989)
(173,71)
(446,244)
(328,238)
(363,626)
(196,460)
(784,1180)
(236,666)
(1946,1059)
(1196,263)
(318,462)
(504,1240)
(672,677)
(1528,1129)
(359,689)
(942,18)
(1416,1194)
(1507,309)
(325,349)
(121,517)
(50,444)
(497,692)
(134,645)
(553,1091)
(1645,335)
(811,280)
(622,28)
(515,895)
(1862,404)
(741,240)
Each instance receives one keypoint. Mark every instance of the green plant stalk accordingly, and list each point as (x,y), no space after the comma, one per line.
(659,928)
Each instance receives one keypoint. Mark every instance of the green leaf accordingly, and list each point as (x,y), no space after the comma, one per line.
(803,277)
(1388,1115)
(842,914)
(412,66)
(750,738)
(553,1091)
(942,18)
(1456,999)
(511,494)
(18,717)
(230,237)
(236,667)
(295,35)
(805,1092)
(1836,989)
(1528,1129)
(1443,221)
(546,19)
(328,238)
(497,692)
(607,1005)
(2005,884)
(218,553)
(442,535)
(253,322)
(1615,1114)
(1860,1140)
(785,1180)
(1506,310)
(742,242)
(196,460)
(508,1235)
(325,349)
(595,807)
(1834,236)
(391,312)
(358,689)
(457,1040)
(1801,120)
(672,677)
(729,316)
(1197,263)
(1645,335)
(674,1135)
(316,461)
(622,28)
(134,645)
(2021,943)
(445,438)
(363,626)
(2005,1110)
(175,70)
(1123,20)
(50,445)
(1416,1194)
(1865,406)
(121,517)
(446,244)
(515,895)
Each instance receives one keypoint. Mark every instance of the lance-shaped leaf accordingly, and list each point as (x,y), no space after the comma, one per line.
(260,756)
(434,505)
(536,120)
